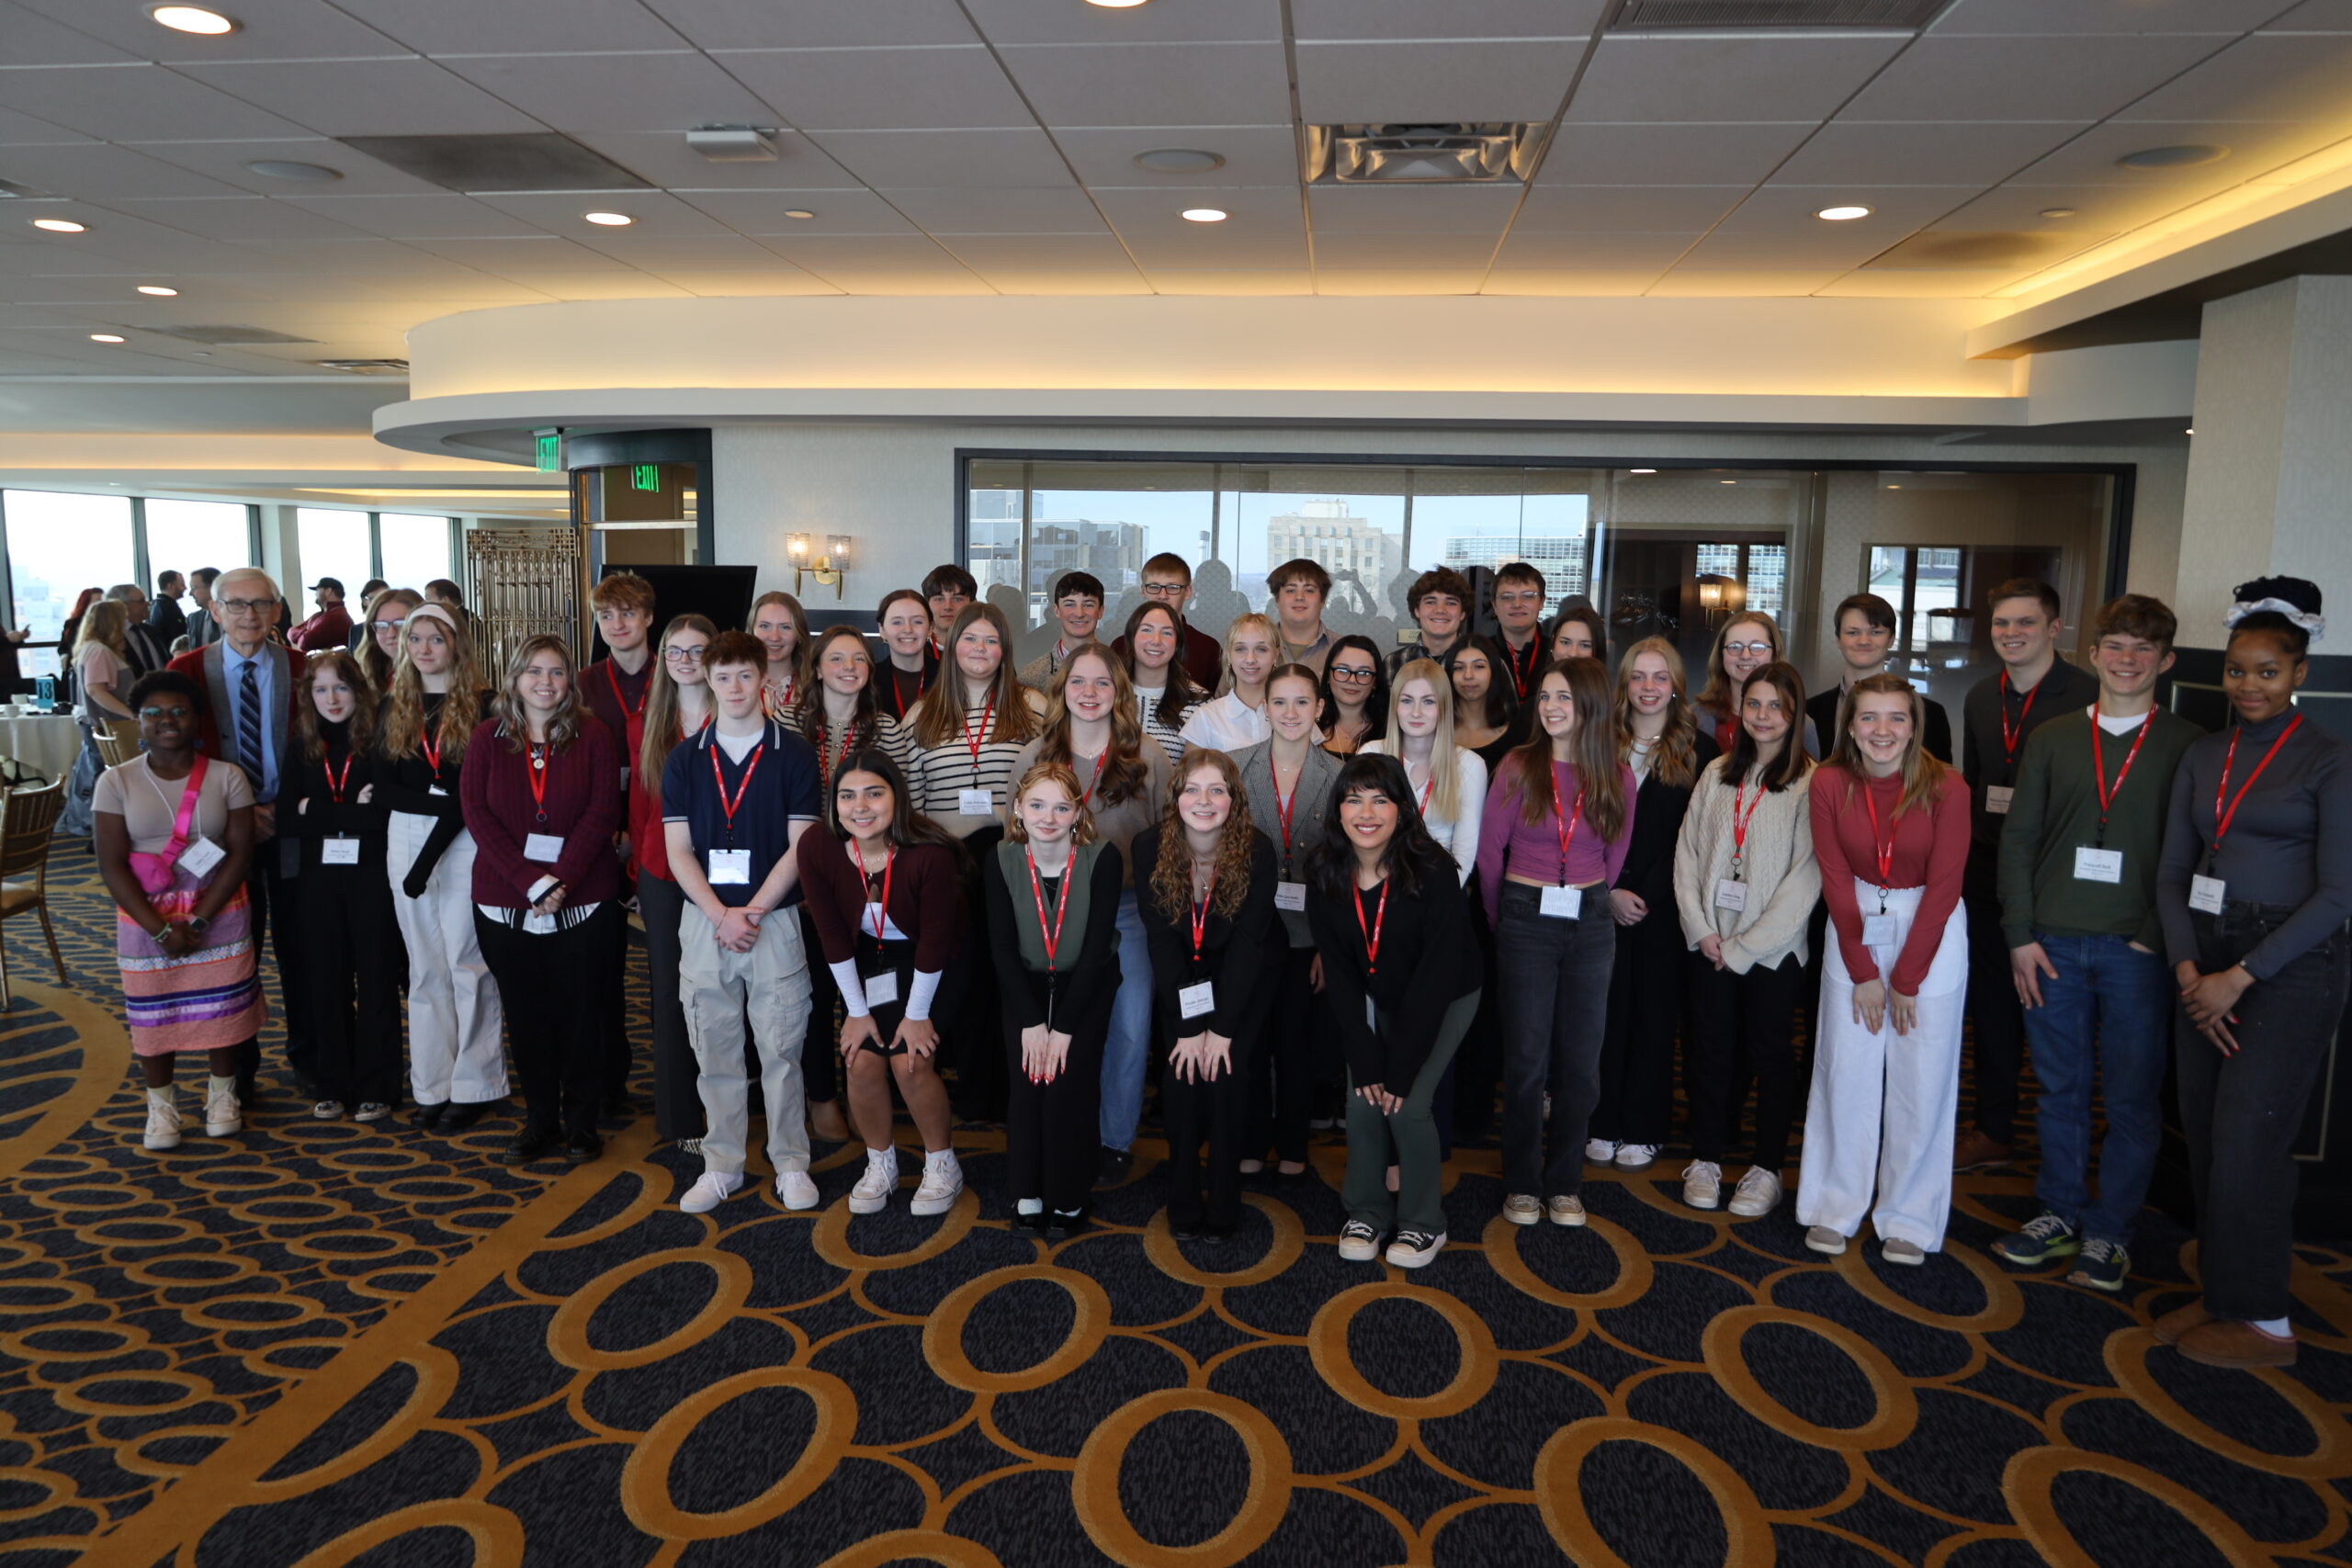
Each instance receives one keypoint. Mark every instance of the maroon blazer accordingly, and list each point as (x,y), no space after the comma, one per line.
(926,898)
(583,805)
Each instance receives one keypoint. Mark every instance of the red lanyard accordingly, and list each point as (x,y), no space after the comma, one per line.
(1099,761)
(2011,736)
(537,774)
(882,910)
(636,711)
(1741,812)
(2222,819)
(978,738)
(778,706)
(1518,679)
(1428,787)
(751,766)
(849,739)
(1567,829)
(897,702)
(1885,853)
(1371,936)
(1201,918)
(432,747)
(2098,766)
(335,781)
(1282,808)
(1053,938)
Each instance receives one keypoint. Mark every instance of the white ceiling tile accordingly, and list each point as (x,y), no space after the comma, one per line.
(1126,280)
(1014,210)
(1412,209)
(683,253)
(245,218)
(656,213)
(29,39)
(1872,285)
(980,158)
(2103,209)
(641,91)
(1652,210)
(1775,77)
(1434,81)
(1075,21)
(664,158)
(1456,19)
(1639,154)
(225,161)
(1740,284)
(468,26)
(859,280)
(136,103)
(368,97)
(356,257)
(2103,16)
(2317,17)
(2254,147)
(515,257)
(1526,252)
(21,130)
(856,211)
(778,278)
(444,216)
(1153,83)
(824,254)
(1254,154)
(1463,280)
(816,24)
(1257,251)
(92,171)
(623,284)
(267,29)
(2268,76)
(881,89)
(1396,253)
(1246,282)
(1570,285)
(1895,210)
(1929,152)
(2057,77)
(1750,251)
(457,288)
(991,254)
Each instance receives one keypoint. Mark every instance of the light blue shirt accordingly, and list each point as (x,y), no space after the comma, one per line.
(233,676)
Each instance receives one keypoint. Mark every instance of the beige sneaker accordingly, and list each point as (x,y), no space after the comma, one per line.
(162,1123)
(1522,1208)
(1703,1184)
(1894,1249)
(1566,1211)
(1821,1238)
(1758,1193)
(222,1115)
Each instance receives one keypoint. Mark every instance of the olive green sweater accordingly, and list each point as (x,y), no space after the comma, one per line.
(2055,810)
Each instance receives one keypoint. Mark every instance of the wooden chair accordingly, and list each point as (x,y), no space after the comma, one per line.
(27,826)
(117,741)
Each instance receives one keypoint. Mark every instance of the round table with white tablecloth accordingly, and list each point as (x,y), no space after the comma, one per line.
(44,742)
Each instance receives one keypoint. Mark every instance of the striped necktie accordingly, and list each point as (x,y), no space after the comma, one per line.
(249,725)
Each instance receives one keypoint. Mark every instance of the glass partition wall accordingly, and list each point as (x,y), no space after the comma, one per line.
(1672,550)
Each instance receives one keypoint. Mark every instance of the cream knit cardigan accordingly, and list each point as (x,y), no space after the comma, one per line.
(1783,877)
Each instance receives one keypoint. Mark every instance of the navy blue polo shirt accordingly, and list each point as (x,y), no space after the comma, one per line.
(784,789)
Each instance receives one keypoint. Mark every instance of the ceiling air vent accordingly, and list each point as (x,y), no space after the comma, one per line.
(1652,15)
(1463,152)
(221,337)
(365,367)
(523,160)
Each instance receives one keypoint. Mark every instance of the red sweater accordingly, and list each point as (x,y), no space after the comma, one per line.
(583,805)
(926,898)
(1931,851)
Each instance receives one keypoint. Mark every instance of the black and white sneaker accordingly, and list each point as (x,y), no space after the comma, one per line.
(1359,1242)
(1415,1249)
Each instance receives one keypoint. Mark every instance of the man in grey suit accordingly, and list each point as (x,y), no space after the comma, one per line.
(149,652)
(203,629)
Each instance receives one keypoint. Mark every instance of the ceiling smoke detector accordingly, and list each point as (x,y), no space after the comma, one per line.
(365,367)
(1461,153)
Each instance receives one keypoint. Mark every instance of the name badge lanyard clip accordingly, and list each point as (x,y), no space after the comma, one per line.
(1883,852)
(1567,829)
(2013,734)
(1052,937)
(539,777)
(751,766)
(621,701)
(1371,933)
(2098,768)
(428,737)
(2223,818)
(1200,920)
(881,911)
(1742,813)
(336,784)
(976,739)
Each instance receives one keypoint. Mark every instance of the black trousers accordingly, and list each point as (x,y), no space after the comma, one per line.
(1737,1019)
(1996,1019)
(2241,1114)
(276,903)
(1645,998)
(821,1055)
(353,962)
(1278,1098)
(677,1100)
(548,985)
(967,1001)
(1465,1097)
(616,1056)
(1052,1145)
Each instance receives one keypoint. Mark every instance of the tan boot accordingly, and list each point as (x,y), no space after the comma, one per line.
(2180,1320)
(2225,1342)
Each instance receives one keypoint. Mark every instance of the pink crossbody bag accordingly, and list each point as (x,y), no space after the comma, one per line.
(154,871)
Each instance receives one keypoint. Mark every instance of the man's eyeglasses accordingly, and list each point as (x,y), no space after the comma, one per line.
(682,655)
(1171,591)
(248,606)
(1351,674)
(1521,596)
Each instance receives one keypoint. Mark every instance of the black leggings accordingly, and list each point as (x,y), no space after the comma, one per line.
(1742,1024)
(1280,1069)
(1645,997)
(355,961)
(1052,1149)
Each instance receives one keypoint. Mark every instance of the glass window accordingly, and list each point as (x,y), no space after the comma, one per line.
(416,549)
(185,535)
(58,544)
(334,544)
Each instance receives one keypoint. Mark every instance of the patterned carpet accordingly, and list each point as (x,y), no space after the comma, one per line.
(323,1344)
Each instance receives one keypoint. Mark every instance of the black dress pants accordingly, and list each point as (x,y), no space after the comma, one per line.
(1646,999)
(1052,1146)
(1749,1019)
(275,904)
(548,986)
(352,964)
(1996,1019)
(677,1077)
(1278,1097)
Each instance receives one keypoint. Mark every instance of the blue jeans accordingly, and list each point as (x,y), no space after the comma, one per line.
(1130,1037)
(2105,1018)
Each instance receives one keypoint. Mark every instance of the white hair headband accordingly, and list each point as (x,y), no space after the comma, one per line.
(2311,621)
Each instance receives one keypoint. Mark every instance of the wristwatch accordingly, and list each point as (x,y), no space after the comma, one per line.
(200,924)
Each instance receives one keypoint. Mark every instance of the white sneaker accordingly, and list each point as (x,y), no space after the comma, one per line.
(796,1191)
(1600,1151)
(1523,1207)
(1565,1210)
(221,1115)
(715,1187)
(326,1110)
(942,1183)
(1359,1242)
(1759,1193)
(1894,1249)
(872,1193)
(1822,1239)
(373,1111)
(1702,1183)
(162,1123)
(1413,1249)
(1636,1157)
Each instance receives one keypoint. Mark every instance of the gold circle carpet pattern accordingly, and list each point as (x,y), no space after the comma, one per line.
(320,1344)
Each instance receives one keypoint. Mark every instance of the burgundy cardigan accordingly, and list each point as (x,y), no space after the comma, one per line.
(926,898)
(583,808)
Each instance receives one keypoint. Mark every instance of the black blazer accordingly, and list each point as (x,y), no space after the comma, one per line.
(1428,960)
(1658,806)
(1236,953)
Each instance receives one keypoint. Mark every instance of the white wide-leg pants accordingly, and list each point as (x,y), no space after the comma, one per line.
(456,1049)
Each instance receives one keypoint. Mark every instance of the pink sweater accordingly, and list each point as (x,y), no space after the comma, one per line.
(1508,841)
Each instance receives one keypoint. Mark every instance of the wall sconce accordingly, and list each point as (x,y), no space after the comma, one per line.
(1711,595)
(829,568)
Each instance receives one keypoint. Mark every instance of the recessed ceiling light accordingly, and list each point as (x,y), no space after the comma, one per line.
(1115,4)
(60,225)
(1205,215)
(286,169)
(159,291)
(798,213)
(2057,213)
(2190,431)
(1726,481)
(106,337)
(2186,155)
(610,220)
(1894,487)
(191,19)
(1842,214)
(1641,470)
(1179,161)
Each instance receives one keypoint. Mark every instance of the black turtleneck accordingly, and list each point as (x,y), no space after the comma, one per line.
(326,802)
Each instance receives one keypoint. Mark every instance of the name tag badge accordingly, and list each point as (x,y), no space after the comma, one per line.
(730,868)
(545,848)
(434,789)
(339,851)
(881,988)
(1290,895)
(1878,930)
(1730,895)
(202,855)
(973,803)
(537,924)
(1997,798)
(1563,903)
(2205,894)
(2097,865)
(1191,1001)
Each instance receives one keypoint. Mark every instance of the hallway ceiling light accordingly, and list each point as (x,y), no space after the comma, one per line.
(1842,214)
(60,225)
(1115,4)
(2057,213)
(191,19)
(2186,156)
(1641,470)
(288,169)
(798,213)
(610,220)
(159,291)
(1726,481)
(106,337)
(1203,215)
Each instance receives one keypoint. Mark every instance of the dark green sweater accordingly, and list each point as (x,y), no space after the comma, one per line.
(2056,809)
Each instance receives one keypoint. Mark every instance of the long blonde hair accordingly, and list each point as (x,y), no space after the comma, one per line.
(1124,774)
(1673,759)
(564,724)
(1172,875)
(938,716)
(402,729)
(1923,775)
(374,662)
(107,624)
(664,726)
(1445,755)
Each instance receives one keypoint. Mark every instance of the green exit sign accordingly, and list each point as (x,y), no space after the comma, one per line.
(550,451)
(646,476)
